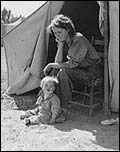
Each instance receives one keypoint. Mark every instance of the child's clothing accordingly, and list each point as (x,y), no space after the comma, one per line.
(47,109)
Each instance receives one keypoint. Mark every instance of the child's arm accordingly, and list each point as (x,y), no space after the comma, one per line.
(39,100)
(40,97)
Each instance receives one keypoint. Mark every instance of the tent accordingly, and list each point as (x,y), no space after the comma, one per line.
(10,26)
(28,47)
(7,27)
(2,31)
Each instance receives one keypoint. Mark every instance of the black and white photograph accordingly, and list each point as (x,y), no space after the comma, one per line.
(59,75)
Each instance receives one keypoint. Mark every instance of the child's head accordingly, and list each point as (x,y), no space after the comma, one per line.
(48,84)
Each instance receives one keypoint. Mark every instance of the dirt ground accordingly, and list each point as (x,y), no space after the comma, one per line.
(78,133)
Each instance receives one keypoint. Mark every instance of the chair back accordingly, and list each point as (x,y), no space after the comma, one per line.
(99,46)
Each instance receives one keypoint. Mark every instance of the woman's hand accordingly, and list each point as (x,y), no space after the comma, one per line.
(48,67)
(60,43)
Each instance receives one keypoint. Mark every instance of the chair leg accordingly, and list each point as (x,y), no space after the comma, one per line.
(91,99)
(84,97)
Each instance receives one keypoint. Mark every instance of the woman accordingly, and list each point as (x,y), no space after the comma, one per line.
(76,59)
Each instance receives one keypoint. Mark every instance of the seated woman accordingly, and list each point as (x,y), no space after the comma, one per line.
(76,59)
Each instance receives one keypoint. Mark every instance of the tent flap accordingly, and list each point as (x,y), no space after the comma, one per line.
(113,55)
(26,49)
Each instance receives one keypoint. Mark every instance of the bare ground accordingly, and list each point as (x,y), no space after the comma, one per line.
(78,133)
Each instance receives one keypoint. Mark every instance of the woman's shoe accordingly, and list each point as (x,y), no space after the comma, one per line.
(110,122)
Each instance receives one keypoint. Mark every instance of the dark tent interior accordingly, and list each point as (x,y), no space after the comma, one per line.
(85,16)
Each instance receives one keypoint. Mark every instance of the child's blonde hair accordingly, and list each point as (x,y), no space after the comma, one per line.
(47,79)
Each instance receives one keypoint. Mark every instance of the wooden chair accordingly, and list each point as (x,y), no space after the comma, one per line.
(93,89)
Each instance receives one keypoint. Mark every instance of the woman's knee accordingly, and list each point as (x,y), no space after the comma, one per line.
(63,72)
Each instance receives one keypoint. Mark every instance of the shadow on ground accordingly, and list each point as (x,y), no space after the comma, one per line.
(21,102)
(79,120)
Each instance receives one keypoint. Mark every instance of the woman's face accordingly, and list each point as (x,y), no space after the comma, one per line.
(60,33)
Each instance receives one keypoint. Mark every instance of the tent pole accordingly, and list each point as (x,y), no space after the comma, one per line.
(106,98)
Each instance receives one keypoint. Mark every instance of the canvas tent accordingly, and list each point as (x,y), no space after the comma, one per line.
(2,31)
(28,47)
(7,27)
(113,54)
(10,26)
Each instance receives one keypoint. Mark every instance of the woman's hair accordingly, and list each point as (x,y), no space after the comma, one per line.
(49,79)
(64,22)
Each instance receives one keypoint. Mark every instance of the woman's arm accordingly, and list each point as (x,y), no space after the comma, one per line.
(76,54)
(58,58)
(51,65)
(59,54)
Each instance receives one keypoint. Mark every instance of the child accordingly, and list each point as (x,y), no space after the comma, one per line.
(48,103)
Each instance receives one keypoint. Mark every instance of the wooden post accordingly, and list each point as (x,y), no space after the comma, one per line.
(106,72)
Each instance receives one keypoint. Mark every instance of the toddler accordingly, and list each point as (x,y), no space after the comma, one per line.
(48,103)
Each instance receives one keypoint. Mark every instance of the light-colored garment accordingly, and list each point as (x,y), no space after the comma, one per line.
(48,108)
(81,53)
(81,66)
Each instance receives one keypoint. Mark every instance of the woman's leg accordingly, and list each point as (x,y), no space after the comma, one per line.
(64,88)
(69,78)
(73,77)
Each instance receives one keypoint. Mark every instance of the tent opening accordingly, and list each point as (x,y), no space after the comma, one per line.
(85,17)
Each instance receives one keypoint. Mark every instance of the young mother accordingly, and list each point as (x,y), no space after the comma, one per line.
(76,59)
